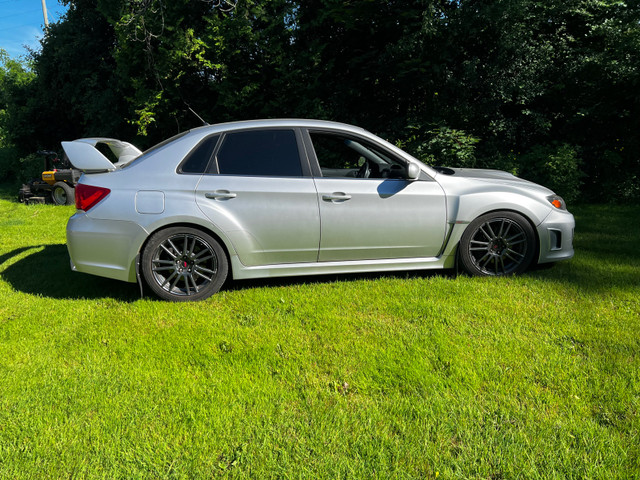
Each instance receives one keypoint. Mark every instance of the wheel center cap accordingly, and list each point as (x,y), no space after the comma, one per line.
(498,247)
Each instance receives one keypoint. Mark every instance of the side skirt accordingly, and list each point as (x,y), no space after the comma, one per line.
(241,271)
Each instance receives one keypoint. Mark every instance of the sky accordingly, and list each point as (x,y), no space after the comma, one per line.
(22,23)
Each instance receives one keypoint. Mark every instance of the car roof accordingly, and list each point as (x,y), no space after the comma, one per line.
(279,122)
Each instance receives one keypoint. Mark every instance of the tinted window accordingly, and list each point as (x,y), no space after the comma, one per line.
(260,152)
(332,153)
(340,156)
(198,159)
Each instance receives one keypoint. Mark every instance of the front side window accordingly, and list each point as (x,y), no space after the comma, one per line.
(260,152)
(341,156)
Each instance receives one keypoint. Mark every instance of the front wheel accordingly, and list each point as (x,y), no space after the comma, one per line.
(498,243)
(184,264)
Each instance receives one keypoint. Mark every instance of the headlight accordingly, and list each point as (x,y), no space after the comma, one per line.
(557,201)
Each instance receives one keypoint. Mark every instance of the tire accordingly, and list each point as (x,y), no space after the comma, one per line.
(183,264)
(63,194)
(497,244)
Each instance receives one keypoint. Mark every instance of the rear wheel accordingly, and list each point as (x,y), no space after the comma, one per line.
(183,264)
(498,243)
(62,194)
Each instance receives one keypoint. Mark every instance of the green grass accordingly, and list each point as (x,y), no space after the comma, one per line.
(380,376)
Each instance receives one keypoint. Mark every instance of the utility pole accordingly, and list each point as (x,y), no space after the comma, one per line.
(44,13)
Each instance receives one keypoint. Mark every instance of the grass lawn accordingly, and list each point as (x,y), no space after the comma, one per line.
(380,376)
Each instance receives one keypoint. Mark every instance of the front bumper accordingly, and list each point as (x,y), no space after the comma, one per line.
(106,248)
(556,237)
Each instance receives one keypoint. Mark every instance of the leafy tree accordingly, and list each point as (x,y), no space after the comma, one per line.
(524,76)
(529,72)
(14,77)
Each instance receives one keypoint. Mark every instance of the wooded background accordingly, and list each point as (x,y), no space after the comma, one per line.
(546,89)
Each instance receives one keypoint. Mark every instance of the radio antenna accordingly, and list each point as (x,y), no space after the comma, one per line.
(199,117)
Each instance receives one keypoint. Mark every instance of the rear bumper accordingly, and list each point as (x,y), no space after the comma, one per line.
(106,248)
(556,237)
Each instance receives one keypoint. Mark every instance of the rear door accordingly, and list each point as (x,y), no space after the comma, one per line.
(259,191)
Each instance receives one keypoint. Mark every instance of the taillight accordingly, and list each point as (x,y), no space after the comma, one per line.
(87,196)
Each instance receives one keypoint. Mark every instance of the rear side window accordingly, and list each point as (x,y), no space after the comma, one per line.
(197,160)
(260,152)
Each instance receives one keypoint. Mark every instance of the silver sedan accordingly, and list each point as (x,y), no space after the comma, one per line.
(271,198)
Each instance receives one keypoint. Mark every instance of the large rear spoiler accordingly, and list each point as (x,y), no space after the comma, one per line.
(84,155)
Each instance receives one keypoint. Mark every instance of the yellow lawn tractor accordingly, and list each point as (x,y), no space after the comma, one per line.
(56,185)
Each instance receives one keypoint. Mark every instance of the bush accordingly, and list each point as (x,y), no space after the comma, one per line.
(621,183)
(556,167)
(499,161)
(19,170)
(446,146)
(30,167)
(9,164)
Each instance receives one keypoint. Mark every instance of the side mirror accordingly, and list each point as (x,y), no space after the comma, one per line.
(413,172)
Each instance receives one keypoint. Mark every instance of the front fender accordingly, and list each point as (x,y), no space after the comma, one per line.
(462,210)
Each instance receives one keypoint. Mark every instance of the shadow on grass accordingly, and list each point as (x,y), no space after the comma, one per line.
(17,251)
(47,273)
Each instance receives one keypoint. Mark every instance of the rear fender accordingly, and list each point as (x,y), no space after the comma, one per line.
(192,222)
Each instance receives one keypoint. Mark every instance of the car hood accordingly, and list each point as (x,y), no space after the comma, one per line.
(495,176)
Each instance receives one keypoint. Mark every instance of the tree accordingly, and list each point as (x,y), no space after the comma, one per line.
(15,76)
(527,77)
(530,72)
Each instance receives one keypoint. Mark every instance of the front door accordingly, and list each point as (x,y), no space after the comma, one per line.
(368,210)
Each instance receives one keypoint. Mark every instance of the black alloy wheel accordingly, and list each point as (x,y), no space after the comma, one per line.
(496,244)
(184,264)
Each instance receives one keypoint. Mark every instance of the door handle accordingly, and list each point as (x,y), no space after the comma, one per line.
(220,195)
(336,197)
